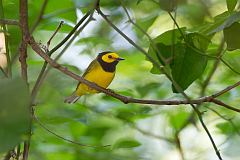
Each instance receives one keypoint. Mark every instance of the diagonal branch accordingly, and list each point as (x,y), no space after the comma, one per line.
(122,98)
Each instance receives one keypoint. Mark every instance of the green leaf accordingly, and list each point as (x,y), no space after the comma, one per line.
(169,5)
(224,20)
(14,113)
(170,37)
(233,41)
(233,59)
(188,64)
(164,44)
(231,4)
(126,143)
(185,60)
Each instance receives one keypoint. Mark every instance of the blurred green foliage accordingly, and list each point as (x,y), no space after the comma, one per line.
(99,120)
(14,113)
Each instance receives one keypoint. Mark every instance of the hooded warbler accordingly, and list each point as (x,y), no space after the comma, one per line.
(100,71)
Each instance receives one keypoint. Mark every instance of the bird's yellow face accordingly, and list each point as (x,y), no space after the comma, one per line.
(111,57)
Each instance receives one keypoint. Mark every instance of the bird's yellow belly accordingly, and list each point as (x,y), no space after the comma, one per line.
(98,76)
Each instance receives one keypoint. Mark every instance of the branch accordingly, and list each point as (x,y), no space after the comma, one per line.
(122,98)
(226,90)
(22,59)
(25,35)
(218,102)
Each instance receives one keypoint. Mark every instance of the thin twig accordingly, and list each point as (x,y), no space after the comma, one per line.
(220,103)
(225,90)
(50,39)
(62,138)
(179,146)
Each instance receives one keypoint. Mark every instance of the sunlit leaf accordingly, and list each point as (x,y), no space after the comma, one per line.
(189,63)
(224,20)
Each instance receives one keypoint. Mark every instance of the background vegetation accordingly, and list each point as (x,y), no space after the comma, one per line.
(182,53)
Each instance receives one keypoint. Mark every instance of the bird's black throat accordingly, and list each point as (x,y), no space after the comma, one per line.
(108,67)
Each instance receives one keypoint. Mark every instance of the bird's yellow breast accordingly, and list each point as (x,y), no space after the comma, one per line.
(96,75)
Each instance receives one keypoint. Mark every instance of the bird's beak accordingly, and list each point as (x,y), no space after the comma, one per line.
(120,59)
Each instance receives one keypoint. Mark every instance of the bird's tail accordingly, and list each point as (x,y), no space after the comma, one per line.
(72,99)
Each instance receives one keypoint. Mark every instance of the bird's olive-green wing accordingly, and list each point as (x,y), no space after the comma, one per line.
(89,69)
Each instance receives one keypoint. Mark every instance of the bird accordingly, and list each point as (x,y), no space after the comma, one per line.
(100,71)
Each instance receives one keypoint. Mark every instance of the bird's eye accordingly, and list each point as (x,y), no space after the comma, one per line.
(110,56)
